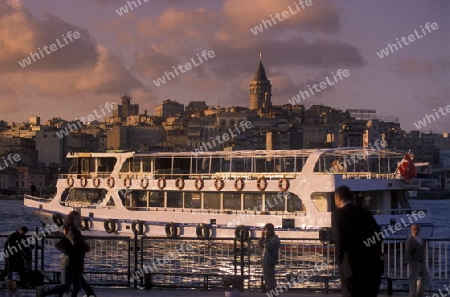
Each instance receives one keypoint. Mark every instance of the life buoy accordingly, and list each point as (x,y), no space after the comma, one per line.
(127,182)
(58,219)
(83,181)
(219,184)
(111,182)
(96,182)
(203,231)
(70,181)
(199,183)
(171,230)
(179,183)
(161,183)
(261,183)
(144,183)
(110,226)
(242,233)
(283,184)
(85,224)
(239,184)
(138,227)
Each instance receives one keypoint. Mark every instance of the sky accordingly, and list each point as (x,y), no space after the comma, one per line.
(124,54)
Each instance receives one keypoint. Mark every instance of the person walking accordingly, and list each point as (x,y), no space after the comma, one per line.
(360,265)
(270,244)
(74,248)
(19,259)
(415,251)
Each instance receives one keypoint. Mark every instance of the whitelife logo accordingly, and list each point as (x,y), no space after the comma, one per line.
(423,123)
(281,16)
(71,127)
(35,56)
(323,85)
(188,66)
(411,38)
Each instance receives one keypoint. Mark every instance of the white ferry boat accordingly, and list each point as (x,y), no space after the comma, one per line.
(228,193)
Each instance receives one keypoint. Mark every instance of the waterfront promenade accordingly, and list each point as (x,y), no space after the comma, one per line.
(121,292)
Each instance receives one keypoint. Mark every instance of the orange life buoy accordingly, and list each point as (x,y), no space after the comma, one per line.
(219,184)
(199,183)
(261,183)
(161,183)
(179,183)
(239,184)
(96,182)
(70,181)
(144,183)
(111,182)
(83,181)
(283,184)
(127,182)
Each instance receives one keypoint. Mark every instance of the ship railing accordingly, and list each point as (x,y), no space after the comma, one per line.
(367,175)
(251,212)
(199,263)
(38,199)
(403,211)
(206,176)
(362,175)
(102,175)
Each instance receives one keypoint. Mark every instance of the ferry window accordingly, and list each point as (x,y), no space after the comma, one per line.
(163,166)
(87,165)
(73,166)
(216,165)
(288,165)
(183,165)
(275,201)
(211,200)
(105,164)
(322,201)
(201,165)
(156,199)
(134,198)
(192,200)
(260,165)
(88,196)
(175,199)
(125,166)
(372,200)
(299,163)
(294,203)
(146,164)
(252,201)
(232,201)
(135,165)
(242,164)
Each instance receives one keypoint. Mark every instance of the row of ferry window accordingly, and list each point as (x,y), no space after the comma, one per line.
(186,165)
(213,165)
(273,201)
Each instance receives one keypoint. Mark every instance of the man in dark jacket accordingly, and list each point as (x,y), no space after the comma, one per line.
(415,250)
(19,259)
(360,264)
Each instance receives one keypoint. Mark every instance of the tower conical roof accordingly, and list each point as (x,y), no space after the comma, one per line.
(260,73)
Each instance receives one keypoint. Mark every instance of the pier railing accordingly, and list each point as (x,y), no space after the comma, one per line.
(191,262)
